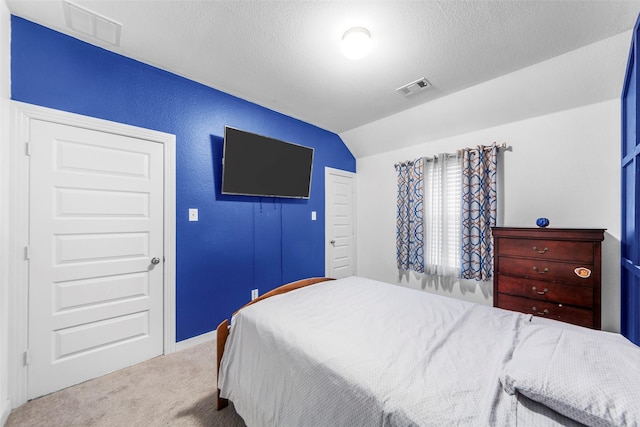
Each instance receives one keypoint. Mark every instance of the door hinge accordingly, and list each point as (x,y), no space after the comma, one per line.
(28,148)
(27,357)
(27,253)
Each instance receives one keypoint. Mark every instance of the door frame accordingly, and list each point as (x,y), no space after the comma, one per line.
(18,201)
(346,174)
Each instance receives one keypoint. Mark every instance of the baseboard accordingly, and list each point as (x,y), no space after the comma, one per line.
(5,410)
(200,339)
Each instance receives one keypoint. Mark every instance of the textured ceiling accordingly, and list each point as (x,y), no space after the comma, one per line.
(285,55)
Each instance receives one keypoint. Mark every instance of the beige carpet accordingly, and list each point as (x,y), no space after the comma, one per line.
(174,390)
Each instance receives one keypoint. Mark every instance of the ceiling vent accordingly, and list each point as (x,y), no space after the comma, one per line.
(91,24)
(414,87)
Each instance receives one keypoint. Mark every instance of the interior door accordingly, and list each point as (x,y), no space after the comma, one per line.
(340,223)
(95,254)
(630,240)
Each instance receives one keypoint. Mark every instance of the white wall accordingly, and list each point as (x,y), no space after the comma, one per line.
(564,166)
(5,94)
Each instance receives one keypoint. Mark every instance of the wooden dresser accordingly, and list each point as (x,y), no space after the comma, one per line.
(550,272)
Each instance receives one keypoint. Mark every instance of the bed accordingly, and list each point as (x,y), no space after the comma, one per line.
(358,352)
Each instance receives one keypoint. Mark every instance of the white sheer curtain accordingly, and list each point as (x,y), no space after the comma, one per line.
(442,209)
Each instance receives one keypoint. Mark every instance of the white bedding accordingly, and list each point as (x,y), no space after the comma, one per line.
(592,377)
(356,352)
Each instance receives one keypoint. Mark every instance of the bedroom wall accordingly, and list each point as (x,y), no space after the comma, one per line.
(239,243)
(563,166)
(5,93)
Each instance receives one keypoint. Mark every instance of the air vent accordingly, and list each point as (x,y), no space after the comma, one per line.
(414,87)
(91,24)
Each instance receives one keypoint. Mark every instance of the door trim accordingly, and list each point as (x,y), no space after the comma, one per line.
(21,116)
(346,174)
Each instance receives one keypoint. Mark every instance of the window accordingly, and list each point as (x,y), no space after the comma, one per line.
(446,206)
(443,188)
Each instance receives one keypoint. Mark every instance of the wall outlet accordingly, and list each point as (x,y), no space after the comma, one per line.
(193,214)
(254,294)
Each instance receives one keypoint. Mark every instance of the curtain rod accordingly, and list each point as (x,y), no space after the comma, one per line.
(502,146)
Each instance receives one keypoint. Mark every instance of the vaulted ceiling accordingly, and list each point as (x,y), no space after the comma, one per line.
(285,55)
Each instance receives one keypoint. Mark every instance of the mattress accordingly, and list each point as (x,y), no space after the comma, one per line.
(357,352)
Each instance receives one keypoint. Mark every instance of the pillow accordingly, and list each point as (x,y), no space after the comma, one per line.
(593,378)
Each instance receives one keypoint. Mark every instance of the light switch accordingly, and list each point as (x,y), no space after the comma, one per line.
(313,215)
(193,214)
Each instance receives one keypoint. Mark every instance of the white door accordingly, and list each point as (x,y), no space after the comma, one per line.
(340,223)
(95,227)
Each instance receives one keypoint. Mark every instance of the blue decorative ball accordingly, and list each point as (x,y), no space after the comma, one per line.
(542,222)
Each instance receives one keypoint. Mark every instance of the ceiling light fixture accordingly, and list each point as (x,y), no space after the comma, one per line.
(356,42)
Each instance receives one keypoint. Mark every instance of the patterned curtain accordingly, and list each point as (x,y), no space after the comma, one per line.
(479,207)
(409,222)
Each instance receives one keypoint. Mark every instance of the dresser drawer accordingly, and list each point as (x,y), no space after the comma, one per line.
(548,249)
(546,291)
(577,316)
(553,271)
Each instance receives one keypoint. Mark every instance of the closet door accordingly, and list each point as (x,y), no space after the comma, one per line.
(630,244)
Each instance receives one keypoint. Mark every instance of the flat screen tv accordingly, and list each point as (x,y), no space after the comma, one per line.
(255,165)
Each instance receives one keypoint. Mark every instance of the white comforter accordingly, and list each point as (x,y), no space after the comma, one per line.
(356,352)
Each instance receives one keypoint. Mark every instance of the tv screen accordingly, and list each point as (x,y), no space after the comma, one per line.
(255,165)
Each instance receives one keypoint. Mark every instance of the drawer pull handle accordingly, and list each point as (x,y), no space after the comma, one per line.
(546,270)
(540,313)
(545,250)
(540,292)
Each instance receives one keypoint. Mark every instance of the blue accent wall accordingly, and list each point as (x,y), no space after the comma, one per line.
(239,243)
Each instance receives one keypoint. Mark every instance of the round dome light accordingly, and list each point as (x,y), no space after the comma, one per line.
(356,43)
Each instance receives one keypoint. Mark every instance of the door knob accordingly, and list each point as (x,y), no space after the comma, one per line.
(155,261)
(333,242)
